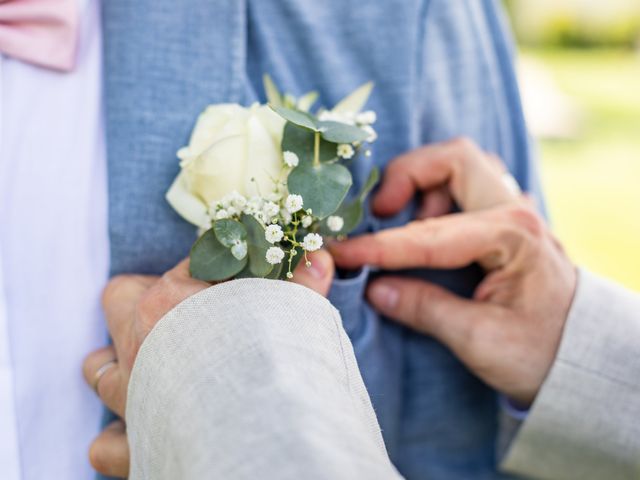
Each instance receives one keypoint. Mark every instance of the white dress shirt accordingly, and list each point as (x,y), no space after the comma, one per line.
(53,260)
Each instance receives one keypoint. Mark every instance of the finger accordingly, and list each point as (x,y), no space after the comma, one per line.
(432,310)
(318,275)
(421,169)
(452,241)
(96,361)
(435,203)
(109,452)
(470,175)
(120,297)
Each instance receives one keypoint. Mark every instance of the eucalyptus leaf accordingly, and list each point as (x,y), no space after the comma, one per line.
(302,119)
(274,97)
(337,132)
(306,101)
(300,141)
(276,273)
(372,180)
(355,101)
(258,247)
(353,212)
(229,232)
(211,261)
(323,187)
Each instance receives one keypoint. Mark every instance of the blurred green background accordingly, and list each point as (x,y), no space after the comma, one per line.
(579,68)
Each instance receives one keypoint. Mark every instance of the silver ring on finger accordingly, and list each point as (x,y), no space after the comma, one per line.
(101,372)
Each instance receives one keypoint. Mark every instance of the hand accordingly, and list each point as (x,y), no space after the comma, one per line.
(509,333)
(133,305)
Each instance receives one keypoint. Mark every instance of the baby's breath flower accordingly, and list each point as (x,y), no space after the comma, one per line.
(273,233)
(373,136)
(367,118)
(307,220)
(345,150)
(293,203)
(291,159)
(335,223)
(275,255)
(222,214)
(289,275)
(270,209)
(231,210)
(312,242)
(254,205)
(286,216)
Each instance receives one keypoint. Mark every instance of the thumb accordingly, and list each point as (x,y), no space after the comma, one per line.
(432,310)
(319,275)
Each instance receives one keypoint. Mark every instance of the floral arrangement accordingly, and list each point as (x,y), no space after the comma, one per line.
(265,184)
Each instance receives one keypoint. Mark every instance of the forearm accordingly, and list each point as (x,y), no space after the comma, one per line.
(248,379)
(583,422)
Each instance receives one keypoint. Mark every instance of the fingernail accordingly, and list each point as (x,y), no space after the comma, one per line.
(385,296)
(317,270)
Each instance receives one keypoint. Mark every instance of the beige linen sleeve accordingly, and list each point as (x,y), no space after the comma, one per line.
(585,422)
(252,379)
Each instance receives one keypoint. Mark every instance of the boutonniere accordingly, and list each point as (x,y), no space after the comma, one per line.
(265,184)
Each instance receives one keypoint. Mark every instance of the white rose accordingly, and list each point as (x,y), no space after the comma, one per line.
(229,146)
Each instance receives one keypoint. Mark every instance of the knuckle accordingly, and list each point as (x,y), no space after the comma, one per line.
(527,220)
(114,288)
(465,145)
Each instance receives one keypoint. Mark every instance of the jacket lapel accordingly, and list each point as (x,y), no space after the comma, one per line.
(164,62)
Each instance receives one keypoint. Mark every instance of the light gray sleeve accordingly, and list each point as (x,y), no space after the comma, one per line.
(252,379)
(585,422)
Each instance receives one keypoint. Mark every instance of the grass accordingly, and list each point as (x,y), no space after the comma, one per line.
(592,183)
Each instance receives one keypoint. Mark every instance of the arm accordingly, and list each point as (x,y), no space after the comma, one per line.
(239,381)
(583,421)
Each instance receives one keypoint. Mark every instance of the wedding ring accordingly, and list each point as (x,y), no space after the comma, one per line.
(101,371)
(511,183)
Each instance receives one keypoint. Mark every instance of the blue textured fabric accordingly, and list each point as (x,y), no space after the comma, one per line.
(442,68)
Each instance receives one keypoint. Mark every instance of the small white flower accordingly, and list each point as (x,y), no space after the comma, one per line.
(231,210)
(254,205)
(312,242)
(335,223)
(289,275)
(286,216)
(222,214)
(345,150)
(373,135)
(307,220)
(270,209)
(291,159)
(275,255)
(293,203)
(341,117)
(367,118)
(273,233)
(235,199)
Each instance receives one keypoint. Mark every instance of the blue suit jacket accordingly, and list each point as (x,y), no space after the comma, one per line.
(442,68)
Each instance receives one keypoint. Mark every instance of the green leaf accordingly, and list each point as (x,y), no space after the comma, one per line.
(355,101)
(353,212)
(372,180)
(229,232)
(273,94)
(302,119)
(337,132)
(258,247)
(276,273)
(211,261)
(306,101)
(301,142)
(322,187)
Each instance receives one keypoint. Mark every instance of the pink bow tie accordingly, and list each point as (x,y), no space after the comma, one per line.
(42,32)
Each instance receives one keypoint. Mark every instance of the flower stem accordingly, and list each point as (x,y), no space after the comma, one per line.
(316,150)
